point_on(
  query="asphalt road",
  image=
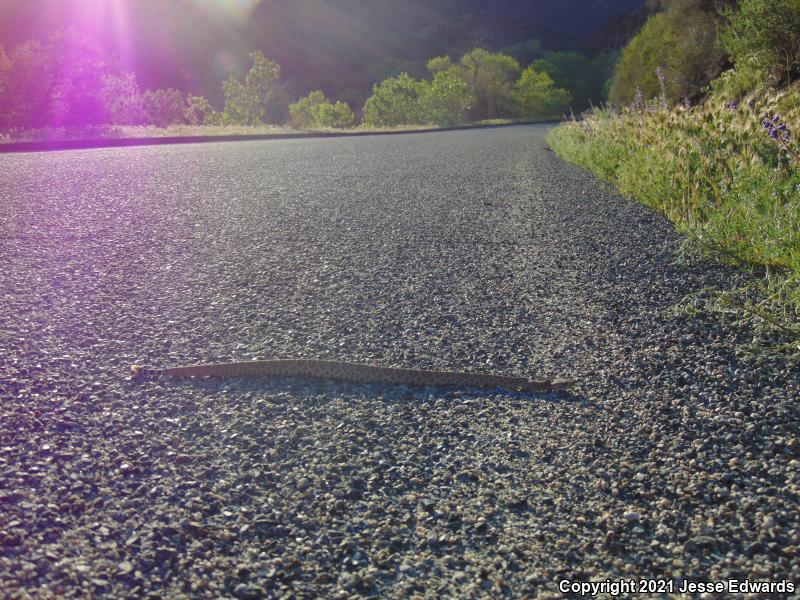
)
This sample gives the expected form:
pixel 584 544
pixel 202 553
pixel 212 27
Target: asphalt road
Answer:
pixel 675 457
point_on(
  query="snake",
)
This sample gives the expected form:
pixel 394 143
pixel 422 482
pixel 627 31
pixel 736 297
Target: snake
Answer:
pixel 336 370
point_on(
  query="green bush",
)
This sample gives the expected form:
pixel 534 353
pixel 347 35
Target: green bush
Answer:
pixel 316 111
pixel 163 107
pixel 762 37
pixel 681 42
pixel 246 102
pixel 303 113
pixel 446 99
pixel 490 76
pixel 585 78
pixel 536 96
pixel 715 172
pixel 394 101
pixel 335 116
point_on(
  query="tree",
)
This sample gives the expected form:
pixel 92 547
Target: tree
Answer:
pixel 490 77
pixel 764 35
pixel 122 102
pixel 446 99
pixel 26 101
pixel 304 112
pixel 79 70
pixel 680 42
pixel 337 116
pixel 198 110
pixel 5 71
pixel 439 64
pixel 537 97
pixel 164 107
pixel 246 103
pixel 394 101
pixel 585 78
pixel 316 111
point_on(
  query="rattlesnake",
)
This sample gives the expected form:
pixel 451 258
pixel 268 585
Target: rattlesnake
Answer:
pixel 353 372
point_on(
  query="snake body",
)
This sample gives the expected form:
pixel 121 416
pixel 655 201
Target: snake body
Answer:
pixel 354 372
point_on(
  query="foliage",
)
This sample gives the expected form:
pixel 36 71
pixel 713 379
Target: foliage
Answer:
pixel 60 82
pixel 490 77
pixel 122 101
pixel 317 111
pixel 246 102
pixel 446 99
pixel 584 77
pixel 304 112
pixel 394 101
pixel 439 64
pixel 163 107
pixel 730 182
pixel 761 37
pixel 198 110
pixel 336 116
pixel 70 82
pixel 680 41
pixel 536 96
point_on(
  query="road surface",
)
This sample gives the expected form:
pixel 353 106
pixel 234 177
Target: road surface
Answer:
pixel 470 250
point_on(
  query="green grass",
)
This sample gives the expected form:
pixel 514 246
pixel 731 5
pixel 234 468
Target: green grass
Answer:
pixel 729 188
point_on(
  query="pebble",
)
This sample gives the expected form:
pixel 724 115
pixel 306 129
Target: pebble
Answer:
pixel 676 455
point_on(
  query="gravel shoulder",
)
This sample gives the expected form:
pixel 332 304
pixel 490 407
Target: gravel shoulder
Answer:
pixel 674 458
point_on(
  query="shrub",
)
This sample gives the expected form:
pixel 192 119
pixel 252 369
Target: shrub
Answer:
pixel 763 36
pixel 490 76
pixel 336 116
pixel 394 101
pixel 726 174
pixel 303 113
pixel 680 41
pixel 316 111
pixel 446 99
pixel 536 96
pixel 246 102
pixel 163 107
pixel 585 78
pixel 122 101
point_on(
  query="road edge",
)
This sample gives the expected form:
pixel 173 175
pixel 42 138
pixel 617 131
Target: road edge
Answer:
pixel 57 145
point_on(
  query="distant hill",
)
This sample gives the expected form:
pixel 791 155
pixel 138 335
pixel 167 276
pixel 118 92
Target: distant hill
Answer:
pixel 339 46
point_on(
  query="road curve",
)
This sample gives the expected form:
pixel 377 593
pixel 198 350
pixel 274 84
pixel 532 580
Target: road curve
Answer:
pixel 673 459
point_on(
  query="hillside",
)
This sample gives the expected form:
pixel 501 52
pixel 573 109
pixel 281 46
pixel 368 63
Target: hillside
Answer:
pixel 341 46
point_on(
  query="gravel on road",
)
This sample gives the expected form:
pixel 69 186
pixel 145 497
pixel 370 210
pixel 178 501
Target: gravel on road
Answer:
pixel 675 458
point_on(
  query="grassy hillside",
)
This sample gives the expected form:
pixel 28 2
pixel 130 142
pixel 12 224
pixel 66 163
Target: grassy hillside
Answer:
pixel 726 171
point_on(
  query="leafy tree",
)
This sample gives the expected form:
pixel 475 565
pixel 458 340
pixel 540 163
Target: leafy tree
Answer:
pixel 198 110
pixel 439 64
pixel 490 77
pixel 585 78
pixel 394 101
pixel 337 116
pixel 80 68
pixel 246 103
pixel 446 99
pixel 537 97
pixel 27 98
pixel 5 70
pixel 304 112
pixel 764 36
pixel 163 107
pixel 122 101
pixel 681 42
pixel 316 111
